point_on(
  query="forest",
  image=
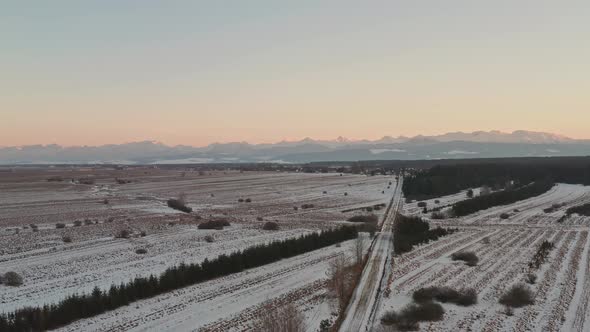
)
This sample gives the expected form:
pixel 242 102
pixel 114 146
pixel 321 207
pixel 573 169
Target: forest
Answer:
pixel 411 231
pixel 441 180
pixel 583 210
pixel 504 197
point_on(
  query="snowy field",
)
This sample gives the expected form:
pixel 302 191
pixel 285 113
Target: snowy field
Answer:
pixel 53 269
pixel 505 247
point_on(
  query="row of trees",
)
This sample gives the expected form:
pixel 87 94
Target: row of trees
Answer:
pixel 583 210
pixel 410 231
pixel 87 305
pixel 451 179
pixel 510 196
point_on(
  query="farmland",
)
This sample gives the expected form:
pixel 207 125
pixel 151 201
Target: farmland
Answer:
pixel 120 227
pixel 504 246
pixel 94 214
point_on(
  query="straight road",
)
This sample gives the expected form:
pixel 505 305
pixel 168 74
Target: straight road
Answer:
pixel 360 312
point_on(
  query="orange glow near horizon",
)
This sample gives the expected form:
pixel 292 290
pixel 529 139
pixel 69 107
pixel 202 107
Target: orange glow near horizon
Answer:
pixel 261 72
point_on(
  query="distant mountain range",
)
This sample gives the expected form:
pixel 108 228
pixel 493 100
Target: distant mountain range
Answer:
pixel 479 144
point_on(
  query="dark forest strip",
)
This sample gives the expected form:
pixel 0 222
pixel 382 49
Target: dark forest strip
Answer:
pixel 505 197
pixel 77 307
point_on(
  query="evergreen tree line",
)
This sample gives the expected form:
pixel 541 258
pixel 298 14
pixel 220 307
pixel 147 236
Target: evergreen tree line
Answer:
pixel 411 231
pixel 583 210
pixel 510 196
pixel 451 179
pixel 82 306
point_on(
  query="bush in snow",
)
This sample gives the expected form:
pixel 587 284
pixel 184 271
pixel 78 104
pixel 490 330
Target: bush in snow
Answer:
pixel 179 204
pixel 214 224
pixel 370 218
pixel 270 226
pixel 409 317
pixel 469 257
pixel 12 279
pixel 464 297
pixel 517 296
pixel 123 234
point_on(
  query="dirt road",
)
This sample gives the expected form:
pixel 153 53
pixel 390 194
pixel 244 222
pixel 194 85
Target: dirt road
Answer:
pixel 360 312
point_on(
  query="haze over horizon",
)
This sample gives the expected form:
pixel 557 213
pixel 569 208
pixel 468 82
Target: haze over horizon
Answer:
pixel 484 136
pixel 261 71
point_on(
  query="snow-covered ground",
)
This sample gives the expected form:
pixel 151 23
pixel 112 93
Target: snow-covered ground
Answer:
pixel 505 247
pixel 53 269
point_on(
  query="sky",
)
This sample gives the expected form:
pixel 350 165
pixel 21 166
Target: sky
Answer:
pixel 196 72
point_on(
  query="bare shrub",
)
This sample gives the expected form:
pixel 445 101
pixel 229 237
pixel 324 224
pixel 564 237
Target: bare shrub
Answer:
pixel 259 218
pixel 214 224
pixel 517 296
pixel 209 239
pixel 248 200
pixel 504 216
pixel 67 239
pixel 77 223
pixel 295 208
pixel 337 279
pixel 369 218
pixel 284 319
pixel 141 251
pixel 307 206
pixel 270 226
pixel 486 240
pixel 359 248
pixel 143 234
pixel 123 234
pixel 88 222
pixel 463 297
pixel 179 204
pixel 469 257
pixel 86 180
pixel 12 279
pixel 240 200
pixel 105 201
pixel 410 316
pixel 60 225
pixel 422 204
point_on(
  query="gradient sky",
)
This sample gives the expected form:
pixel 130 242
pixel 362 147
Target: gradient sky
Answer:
pixel 195 72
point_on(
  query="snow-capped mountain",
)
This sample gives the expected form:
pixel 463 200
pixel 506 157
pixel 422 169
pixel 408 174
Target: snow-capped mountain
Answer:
pixel 479 144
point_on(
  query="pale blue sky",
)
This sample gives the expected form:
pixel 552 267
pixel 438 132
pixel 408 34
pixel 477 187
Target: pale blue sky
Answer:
pixel 193 72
